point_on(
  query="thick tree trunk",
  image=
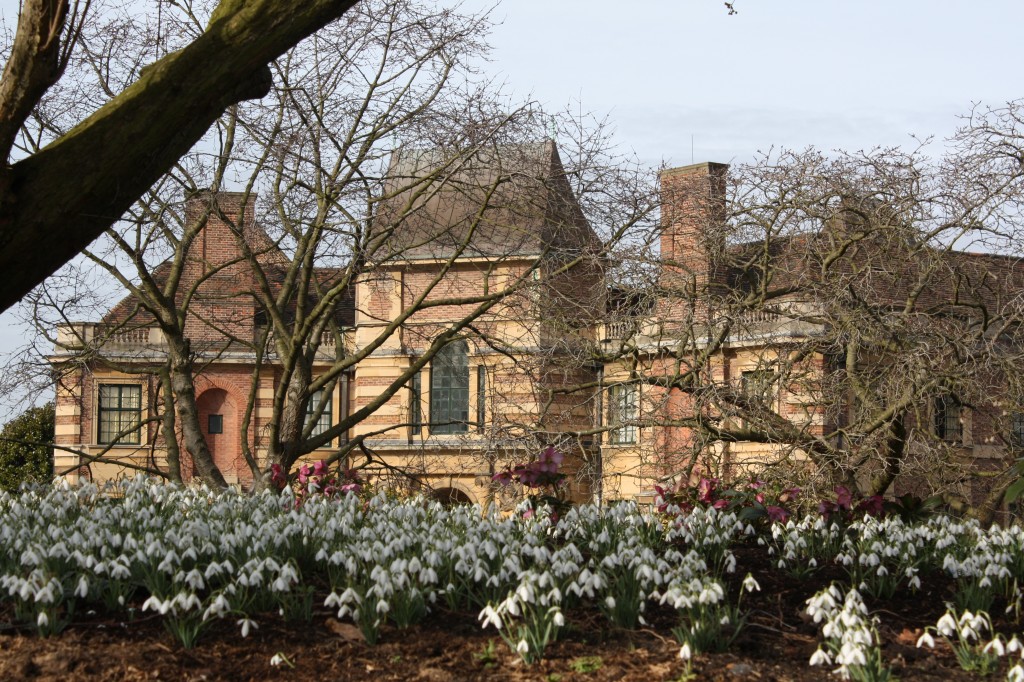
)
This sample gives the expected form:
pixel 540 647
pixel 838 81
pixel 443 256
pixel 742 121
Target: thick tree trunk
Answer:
pixel 286 447
pixel 54 203
pixel 169 430
pixel 183 388
pixel 33 66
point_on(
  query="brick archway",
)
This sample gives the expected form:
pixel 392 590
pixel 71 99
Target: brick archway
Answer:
pixel 218 419
pixel 452 496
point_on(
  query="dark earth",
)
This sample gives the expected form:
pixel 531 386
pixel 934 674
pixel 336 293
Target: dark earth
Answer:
pixel 776 644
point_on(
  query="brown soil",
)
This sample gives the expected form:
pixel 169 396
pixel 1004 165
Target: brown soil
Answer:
pixel 775 645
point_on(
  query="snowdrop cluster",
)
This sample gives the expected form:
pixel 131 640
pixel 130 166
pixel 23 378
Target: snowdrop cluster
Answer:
pixel 977 646
pixel 195 557
pixel 851 640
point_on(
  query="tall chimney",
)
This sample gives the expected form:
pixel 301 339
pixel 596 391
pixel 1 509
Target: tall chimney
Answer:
pixel 224 301
pixel 692 239
pixel 226 215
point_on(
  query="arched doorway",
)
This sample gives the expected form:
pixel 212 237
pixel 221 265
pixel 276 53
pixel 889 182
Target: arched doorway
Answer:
pixel 450 497
pixel 219 424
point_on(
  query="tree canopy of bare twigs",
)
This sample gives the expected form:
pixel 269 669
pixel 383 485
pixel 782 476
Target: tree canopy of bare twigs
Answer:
pixel 378 147
pixel 61 188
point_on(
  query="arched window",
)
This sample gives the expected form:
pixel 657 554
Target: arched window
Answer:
pixel 449 389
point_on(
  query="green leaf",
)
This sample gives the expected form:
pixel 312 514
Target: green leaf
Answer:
pixel 1014 491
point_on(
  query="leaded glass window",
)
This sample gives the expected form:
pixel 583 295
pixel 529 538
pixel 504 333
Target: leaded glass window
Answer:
pixel 120 412
pixel 623 408
pixel 948 424
pixel 449 389
pixel 323 421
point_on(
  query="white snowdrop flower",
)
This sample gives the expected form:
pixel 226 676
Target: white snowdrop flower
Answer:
pixel 194 579
pixel 490 617
pixel 82 590
pixel 1015 674
pixel 750 584
pixel 995 647
pixel 277 659
pixel 926 640
pixel 685 653
pixel 609 601
pixel 1013 645
pixel 246 624
pixel 42 620
pixel 558 619
pixel 819 657
pixel 156 604
pixel 946 625
pixel 523 648
pixel 383 607
pixel 850 654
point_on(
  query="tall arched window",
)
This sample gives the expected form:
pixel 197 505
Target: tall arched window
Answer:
pixel 449 389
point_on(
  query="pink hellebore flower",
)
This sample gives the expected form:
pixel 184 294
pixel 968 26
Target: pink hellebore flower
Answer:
pixel 550 454
pixel 844 498
pixel 789 494
pixel 705 489
pixel 777 513
pixel 277 476
pixel 873 506
pixel 502 477
pixel 320 468
pixel 304 472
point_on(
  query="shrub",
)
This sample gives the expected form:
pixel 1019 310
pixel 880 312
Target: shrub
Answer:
pixel 26 448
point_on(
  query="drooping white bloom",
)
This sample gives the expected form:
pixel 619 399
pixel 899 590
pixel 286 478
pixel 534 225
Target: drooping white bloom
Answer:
pixel 490 617
pixel 926 640
pixel 750 585
pixel 819 657
pixel 247 624
pixel 995 647
pixel 946 625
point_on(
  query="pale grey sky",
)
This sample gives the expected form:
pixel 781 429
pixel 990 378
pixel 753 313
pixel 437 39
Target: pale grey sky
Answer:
pixel 834 74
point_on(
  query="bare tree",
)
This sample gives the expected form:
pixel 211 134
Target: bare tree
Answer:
pixel 849 319
pixel 66 194
pixel 379 149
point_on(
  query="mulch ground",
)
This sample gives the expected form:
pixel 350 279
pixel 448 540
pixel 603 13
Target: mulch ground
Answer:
pixel 775 645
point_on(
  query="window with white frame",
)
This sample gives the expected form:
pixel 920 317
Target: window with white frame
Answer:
pixel 623 410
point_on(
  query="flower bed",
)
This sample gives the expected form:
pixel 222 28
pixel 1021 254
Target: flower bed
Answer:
pixel 199 559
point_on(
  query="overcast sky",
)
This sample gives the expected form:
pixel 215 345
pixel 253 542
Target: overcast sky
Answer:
pixel 850 74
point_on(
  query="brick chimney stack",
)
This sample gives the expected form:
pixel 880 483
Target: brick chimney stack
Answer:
pixel 227 215
pixel 224 300
pixel 692 240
